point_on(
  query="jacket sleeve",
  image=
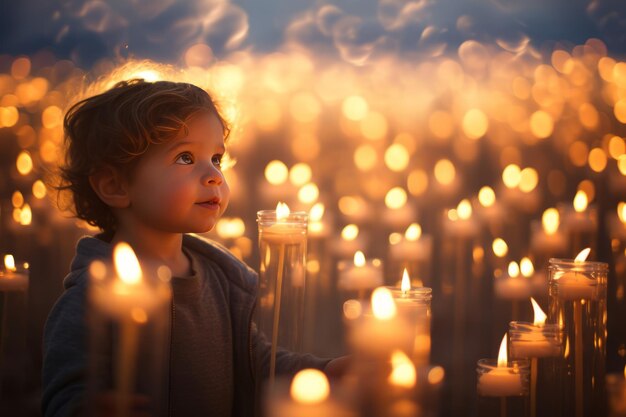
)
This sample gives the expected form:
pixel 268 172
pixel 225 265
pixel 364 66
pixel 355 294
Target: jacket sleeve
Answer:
pixel 287 363
pixel 65 355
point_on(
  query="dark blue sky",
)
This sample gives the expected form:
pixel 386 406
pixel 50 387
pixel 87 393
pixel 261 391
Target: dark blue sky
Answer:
pixel 87 30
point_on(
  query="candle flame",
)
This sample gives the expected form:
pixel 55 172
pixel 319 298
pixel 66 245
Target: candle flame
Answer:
pixel 499 247
pixel 26 215
pixel 282 211
pixel 486 196
pixel 126 264
pixel 503 359
pixel 540 316
pixel 621 211
pixel 403 372
pixel 310 386
pixel 413 232
pixel 513 269
pixel 464 209
pixel 526 267
pixel 550 220
pixel 350 232
pixel 317 212
pixel 406 281
pixel 359 259
pixel 566 352
pixel 582 256
pixel 580 201
pixel 383 306
pixel 9 263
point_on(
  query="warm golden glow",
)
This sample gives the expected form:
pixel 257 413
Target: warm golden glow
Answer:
pixel 541 124
pixel 24 163
pixel 17 199
pixel 406 281
pixel 403 372
pixel 395 238
pixel 486 196
pixel 511 176
pixel 566 352
pixel 540 316
pixel 597 159
pixel 350 232
pixel 396 198
pixel 383 306
pixel 513 269
pixel 582 256
pixel 397 157
pixel 26 215
pixel 475 124
pixel 436 375
pixel 352 309
pixel 276 172
pixel 464 209
pixel 308 193
pixel 282 211
pixel 300 174
pixel 310 386
pixel 500 248
pixel 503 359
pixel 580 201
pixel 374 126
pixel 9 263
pixel 365 157
pixel 621 211
pixel 317 212
pixel 354 108
pixel 529 178
pixel 413 232
pixel 126 264
pixel 227 228
pixel 444 172
pixel 526 267
pixel 39 189
pixel 359 259
pixel 550 220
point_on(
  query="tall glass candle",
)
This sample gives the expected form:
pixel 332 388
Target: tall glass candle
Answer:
pixel 129 316
pixel 578 298
pixel 283 248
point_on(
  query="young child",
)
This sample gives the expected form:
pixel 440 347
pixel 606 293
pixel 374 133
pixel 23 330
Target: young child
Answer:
pixel 143 164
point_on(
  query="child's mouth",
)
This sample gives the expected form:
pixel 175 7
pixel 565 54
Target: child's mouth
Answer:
pixel 213 204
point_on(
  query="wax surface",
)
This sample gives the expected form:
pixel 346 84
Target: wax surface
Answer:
pixel 500 382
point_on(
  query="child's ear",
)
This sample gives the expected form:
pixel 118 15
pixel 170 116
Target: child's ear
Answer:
pixel 111 187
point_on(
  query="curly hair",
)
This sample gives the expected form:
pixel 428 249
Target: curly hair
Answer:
pixel 114 128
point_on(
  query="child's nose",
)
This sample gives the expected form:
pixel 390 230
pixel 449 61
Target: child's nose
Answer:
pixel 213 176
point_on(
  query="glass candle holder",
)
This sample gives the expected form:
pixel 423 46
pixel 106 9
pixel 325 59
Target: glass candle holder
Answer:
pixel 129 318
pixel 543 347
pixel 280 308
pixel 414 306
pixel 503 390
pixel 14 283
pixel 578 300
pixel 358 281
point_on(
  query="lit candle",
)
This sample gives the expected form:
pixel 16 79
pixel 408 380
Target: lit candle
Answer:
pixel 351 240
pixel 318 229
pixel 413 247
pixel 13 278
pixel 309 396
pixel 460 222
pixel 548 239
pixel 362 276
pixel 414 306
pixel 503 380
pixel 512 286
pixel 381 331
pixel 575 284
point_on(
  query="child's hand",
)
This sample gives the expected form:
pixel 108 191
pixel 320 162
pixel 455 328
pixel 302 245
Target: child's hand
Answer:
pixel 337 367
pixel 106 405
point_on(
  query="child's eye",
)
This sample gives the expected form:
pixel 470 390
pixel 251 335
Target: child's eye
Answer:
pixel 217 160
pixel 184 159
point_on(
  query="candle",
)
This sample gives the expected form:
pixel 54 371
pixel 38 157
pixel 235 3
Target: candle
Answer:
pixel 12 277
pixel 318 229
pixel 575 284
pixel 414 306
pixel 512 286
pixel 309 396
pixel 413 247
pixel 460 222
pixel 351 240
pixel 503 380
pixel 616 389
pixel 362 276
pixel 548 239
pixel 130 302
pixel 381 331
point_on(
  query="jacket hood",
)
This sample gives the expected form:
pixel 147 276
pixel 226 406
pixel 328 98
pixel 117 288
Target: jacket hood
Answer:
pixel 90 248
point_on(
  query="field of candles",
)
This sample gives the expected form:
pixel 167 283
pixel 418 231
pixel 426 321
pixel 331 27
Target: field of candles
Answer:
pixel 431 195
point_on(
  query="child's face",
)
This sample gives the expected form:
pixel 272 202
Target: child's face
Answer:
pixel 178 186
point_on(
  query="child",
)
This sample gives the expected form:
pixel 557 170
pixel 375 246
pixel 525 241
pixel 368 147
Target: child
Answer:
pixel 144 165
